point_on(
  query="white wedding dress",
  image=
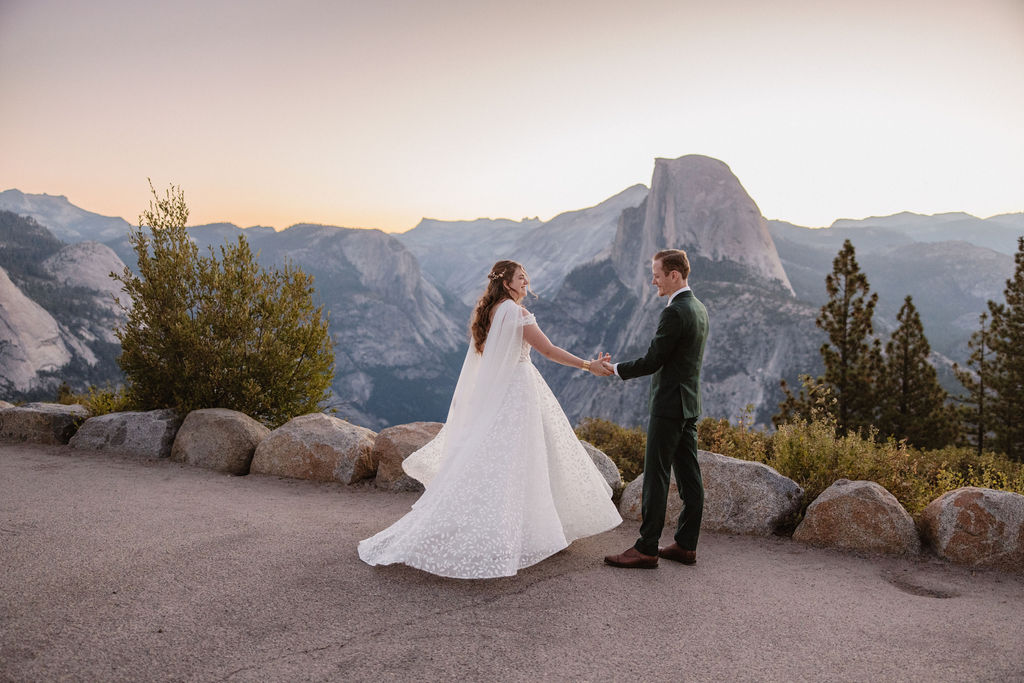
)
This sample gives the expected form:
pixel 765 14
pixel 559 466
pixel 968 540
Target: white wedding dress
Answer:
pixel 507 481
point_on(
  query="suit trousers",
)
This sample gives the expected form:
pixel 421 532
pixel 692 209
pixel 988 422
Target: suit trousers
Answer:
pixel 671 444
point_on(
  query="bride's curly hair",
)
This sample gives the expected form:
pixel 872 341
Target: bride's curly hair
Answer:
pixel 498 280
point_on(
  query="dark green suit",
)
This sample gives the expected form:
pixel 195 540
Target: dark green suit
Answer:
pixel 674 359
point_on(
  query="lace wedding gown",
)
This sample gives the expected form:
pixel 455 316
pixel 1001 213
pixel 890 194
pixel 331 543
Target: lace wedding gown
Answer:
pixel 507 481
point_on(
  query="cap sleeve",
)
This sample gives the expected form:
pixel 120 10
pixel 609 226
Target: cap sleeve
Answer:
pixel 527 318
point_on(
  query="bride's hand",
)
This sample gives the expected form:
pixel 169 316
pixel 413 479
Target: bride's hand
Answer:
pixel 600 366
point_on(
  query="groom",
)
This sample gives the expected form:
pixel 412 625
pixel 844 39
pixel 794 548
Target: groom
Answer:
pixel 674 359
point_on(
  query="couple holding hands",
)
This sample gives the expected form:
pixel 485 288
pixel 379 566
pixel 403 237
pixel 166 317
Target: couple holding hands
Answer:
pixel 507 483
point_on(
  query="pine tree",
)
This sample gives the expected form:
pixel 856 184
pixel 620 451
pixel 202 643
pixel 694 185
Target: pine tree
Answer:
pixel 203 332
pixel 976 379
pixel 1007 339
pixel 912 404
pixel 814 402
pixel 851 359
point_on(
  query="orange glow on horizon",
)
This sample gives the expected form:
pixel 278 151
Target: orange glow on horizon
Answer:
pixel 364 115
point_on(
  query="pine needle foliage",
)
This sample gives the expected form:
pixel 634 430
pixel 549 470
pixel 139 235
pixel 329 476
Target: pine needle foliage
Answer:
pixel 852 359
pixel 1007 379
pixel 976 378
pixel 912 404
pixel 209 332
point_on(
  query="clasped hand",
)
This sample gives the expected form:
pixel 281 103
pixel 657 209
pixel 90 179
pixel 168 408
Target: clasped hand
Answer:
pixel 602 366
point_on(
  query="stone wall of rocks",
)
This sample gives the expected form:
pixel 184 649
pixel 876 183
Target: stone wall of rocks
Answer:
pixel 147 434
pixel 972 526
pixel 859 515
pixel 41 422
pixel 740 497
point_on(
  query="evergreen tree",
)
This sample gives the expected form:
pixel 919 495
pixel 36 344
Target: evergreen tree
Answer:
pixel 852 360
pixel 1007 340
pixel 912 404
pixel 813 402
pixel 976 379
pixel 207 333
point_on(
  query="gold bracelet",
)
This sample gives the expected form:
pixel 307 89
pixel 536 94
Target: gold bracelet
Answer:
pixel 586 366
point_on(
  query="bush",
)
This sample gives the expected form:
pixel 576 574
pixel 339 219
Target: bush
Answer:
pixel 97 401
pixel 203 332
pixel 740 441
pixel 624 446
pixel 814 455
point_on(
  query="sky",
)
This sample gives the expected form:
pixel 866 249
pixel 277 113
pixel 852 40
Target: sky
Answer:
pixel 378 113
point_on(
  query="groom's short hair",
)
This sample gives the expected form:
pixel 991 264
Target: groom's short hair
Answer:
pixel 674 259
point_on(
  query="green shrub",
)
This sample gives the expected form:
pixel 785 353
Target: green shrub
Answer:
pixel 736 441
pixel 209 332
pixel 624 446
pixel 65 395
pixel 107 400
pixel 97 401
pixel 814 455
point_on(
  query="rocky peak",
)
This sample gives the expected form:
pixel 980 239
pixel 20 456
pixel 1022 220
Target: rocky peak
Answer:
pixel 697 204
pixel 65 220
pixel 30 339
pixel 553 249
pixel 88 265
pixel 378 261
pixel 384 265
pixel 458 254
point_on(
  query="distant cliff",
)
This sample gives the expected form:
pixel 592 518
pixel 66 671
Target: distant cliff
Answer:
pixel 697 204
pixel 458 255
pixel 57 312
pixel 759 333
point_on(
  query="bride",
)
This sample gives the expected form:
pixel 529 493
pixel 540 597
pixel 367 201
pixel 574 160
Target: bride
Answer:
pixel 507 481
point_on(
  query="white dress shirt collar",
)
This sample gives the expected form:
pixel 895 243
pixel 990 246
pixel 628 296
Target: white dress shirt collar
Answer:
pixel 677 293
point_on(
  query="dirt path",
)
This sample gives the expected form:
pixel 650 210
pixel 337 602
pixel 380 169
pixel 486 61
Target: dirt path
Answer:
pixel 119 569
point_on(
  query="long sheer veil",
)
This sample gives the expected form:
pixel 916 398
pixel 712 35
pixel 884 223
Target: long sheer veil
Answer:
pixel 475 406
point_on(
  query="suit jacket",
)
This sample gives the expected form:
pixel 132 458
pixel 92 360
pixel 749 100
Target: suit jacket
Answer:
pixel 674 359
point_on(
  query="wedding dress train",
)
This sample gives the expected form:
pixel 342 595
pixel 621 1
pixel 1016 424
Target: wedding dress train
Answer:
pixel 507 481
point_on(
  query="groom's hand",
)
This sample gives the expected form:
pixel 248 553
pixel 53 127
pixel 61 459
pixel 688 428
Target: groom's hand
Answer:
pixel 606 365
pixel 600 366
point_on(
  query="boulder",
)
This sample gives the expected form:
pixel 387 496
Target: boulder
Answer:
pixel 42 422
pixel 319 447
pixel 218 439
pixel 4 405
pixel 606 466
pixel 740 497
pixel 859 515
pixel 392 446
pixel 146 434
pixel 978 527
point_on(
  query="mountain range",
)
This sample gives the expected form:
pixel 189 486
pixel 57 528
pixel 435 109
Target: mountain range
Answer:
pixel 399 304
pixel 57 313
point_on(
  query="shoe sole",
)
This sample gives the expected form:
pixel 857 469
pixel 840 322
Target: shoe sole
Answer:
pixel 631 566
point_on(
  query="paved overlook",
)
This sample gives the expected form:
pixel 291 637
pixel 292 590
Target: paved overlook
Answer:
pixel 125 569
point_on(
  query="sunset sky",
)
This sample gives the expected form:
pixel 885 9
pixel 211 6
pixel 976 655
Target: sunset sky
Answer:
pixel 377 113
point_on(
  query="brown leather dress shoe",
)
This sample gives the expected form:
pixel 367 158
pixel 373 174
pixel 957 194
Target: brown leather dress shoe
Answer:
pixel 676 554
pixel 632 559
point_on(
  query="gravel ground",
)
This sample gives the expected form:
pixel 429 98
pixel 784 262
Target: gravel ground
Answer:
pixel 114 568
